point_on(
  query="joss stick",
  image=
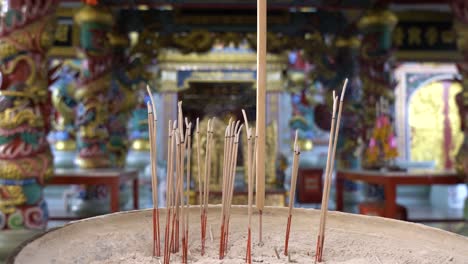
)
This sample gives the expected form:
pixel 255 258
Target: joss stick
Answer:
pixel 248 257
pixel 187 199
pixel 152 125
pixel 226 163
pixel 200 193
pixel 180 187
pixel 181 192
pixel 180 152
pixel 292 191
pixel 233 176
pixel 206 182
pixel 170 149
pixel 321 239
pixel 325 187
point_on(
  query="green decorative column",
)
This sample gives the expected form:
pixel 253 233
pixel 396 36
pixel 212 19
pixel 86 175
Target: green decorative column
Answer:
pixel 63 135
pixel 92 91
pixel 26 34
pixel 93 105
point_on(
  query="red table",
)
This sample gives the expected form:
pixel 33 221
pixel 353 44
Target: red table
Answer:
pixel 110 177
pixel 390 180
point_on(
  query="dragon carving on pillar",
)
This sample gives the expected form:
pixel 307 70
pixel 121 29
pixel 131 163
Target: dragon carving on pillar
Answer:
pixel 26 34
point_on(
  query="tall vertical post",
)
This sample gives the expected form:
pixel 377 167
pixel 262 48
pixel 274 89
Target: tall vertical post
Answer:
pixel 261 107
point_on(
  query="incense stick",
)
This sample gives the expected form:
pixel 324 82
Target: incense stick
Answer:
pixel 334 131
pixel 189 153
pixel 292 191
pixel 206 182
pixel 169 177
pixel 325 187
pixel 232 179
pixel 226 163
pixel 200 193
pixel 261 108
pixel 250 161
pixel 152 126
pixel 228 184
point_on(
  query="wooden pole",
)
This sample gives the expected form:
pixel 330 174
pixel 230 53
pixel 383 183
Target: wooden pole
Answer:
pixel 261 108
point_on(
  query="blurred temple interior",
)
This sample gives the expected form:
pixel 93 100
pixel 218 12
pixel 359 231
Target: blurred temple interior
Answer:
pixel 74 135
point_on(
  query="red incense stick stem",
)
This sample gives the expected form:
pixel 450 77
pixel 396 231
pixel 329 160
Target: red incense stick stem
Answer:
pixel 172 247
pixel 226 238
pixel 154 232
pixel 177 236
pixel 183 250
pixel 203 232
pixel 221 240
pixel 319 250
pixel 286 242
pixel 166 236
pixel 248 257
pixel 156 236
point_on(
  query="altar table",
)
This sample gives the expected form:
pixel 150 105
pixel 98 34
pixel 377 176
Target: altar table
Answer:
pixel 389 180
pixel 110 177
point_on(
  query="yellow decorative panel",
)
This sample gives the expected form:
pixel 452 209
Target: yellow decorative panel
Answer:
pixel 426 122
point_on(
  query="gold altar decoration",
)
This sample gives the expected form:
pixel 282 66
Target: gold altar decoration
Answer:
pixel 216 153
pixel 426 123
pixel 217 67
pixel 271 150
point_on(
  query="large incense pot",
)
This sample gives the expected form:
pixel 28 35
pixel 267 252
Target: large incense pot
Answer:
pixel 127 238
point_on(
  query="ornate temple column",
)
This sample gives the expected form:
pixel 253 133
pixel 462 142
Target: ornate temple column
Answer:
pixel 93 86
pixel 376 65
pixel 122 101
pixel 460 8
pixel 63 135
pixel 378 84
pixel 347 49
pixel 26 34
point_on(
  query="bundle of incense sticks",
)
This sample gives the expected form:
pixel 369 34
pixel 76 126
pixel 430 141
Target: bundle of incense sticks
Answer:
pixel 152 121
pixel 250 171
pixel 231 143
pixel 204 190
pixel 177 198
pixel 334 131
pixel 292 191
pixel 169 190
